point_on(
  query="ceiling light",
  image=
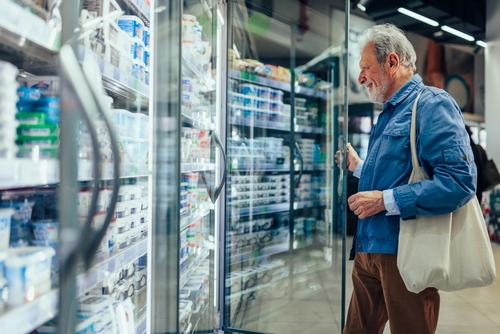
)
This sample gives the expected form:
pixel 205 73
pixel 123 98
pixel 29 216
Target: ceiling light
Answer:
pixel 417 16
pixel 458 33
pixel 360 6
pixel 481 43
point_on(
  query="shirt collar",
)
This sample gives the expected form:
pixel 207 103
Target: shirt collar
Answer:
pixel 405 90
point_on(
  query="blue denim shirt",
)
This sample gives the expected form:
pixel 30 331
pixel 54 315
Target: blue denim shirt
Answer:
pixel 444 151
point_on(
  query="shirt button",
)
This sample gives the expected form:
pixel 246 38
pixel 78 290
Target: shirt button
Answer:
pixel 464 157
pixel 360 246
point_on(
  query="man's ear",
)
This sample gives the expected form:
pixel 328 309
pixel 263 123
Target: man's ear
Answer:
pixel 393 61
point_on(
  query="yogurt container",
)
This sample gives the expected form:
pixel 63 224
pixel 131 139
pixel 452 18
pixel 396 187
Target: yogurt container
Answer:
pixel 45 229
pixel 21 218
pixel 27 270
pixel 132 25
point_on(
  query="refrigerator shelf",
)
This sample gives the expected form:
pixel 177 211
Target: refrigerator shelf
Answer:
pixel 27 317
pixel 19 173
pixel 258 210
pixel 117 82
pixel 141 9
pixel 98 273
pixel 195 123
pixel 255 255
pixel 309 129
pixel 200 213
pixel 127 170
pixel 188 167
pixel 259 123
pixel 184 277
pixel 285 86
pixel 308 204
pixel 259 167
pixel 32 40
pixel 315 167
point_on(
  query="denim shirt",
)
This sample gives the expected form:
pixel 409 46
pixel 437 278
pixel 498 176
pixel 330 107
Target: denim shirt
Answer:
pixel 444 151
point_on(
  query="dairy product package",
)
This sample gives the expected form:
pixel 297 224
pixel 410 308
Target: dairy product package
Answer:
pixel 28 270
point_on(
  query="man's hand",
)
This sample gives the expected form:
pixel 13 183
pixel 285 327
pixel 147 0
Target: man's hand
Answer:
pixel 352 158
pixel 366 203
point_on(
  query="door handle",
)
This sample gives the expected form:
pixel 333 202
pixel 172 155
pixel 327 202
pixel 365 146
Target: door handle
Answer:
pixel 214 191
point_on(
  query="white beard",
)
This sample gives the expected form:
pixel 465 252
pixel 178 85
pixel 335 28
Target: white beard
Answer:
pixel 377 94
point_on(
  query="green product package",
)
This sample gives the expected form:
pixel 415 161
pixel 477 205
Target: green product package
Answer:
pixel 38 130
pixel 31 118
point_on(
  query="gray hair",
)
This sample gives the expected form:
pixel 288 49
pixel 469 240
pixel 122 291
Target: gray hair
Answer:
pixel 388 38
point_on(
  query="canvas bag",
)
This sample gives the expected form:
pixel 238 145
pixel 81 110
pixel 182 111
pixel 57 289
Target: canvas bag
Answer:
pixel 449 252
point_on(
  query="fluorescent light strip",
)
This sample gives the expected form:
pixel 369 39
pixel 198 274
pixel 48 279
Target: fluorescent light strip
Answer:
pixel 481 43
pixel 417 16
pixel 458 33
pixel 360 6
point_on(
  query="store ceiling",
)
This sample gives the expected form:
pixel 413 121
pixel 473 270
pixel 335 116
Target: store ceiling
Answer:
pixel 468 16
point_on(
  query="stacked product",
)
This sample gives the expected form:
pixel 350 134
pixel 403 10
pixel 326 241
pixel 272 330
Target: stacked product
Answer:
pixel 194 103
pixel 18 261
pixel 38 117
pixel 195 146
pixel 196 51
pixel 259 102
pixel 254 191
pixel 192 195
pixel 138 42
pixel 8 99
pixel 132 130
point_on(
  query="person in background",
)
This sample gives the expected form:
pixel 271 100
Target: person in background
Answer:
pixel 480 158
pixel 384 196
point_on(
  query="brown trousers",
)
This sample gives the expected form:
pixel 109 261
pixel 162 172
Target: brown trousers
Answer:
pixel 380 294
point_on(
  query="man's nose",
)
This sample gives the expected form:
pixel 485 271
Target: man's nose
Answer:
pixel 361 79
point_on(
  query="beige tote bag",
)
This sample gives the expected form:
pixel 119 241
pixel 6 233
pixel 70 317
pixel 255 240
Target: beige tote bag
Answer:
pixel 449 252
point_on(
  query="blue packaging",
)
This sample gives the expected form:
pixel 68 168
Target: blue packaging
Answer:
pixel 132 25
pixel 27 94
pixel 50 105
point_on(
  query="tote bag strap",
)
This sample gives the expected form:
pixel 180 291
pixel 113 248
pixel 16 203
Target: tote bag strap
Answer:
pixel 413 134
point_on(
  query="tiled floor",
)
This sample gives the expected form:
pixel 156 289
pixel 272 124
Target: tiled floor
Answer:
pixel 474 311
pixel 312 303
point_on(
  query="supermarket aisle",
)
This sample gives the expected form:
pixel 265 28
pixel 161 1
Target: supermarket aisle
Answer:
pixel 473 311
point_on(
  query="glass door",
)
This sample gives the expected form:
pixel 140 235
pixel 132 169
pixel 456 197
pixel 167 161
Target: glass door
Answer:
pixel 202 172
pixel 285 195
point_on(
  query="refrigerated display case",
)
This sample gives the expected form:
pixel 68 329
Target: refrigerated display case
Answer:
pixel 148 229
pixel 85 201
pixel 283 246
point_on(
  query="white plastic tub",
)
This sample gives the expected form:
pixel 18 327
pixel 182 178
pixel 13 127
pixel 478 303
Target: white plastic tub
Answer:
pixel 45 229
pixel 27 270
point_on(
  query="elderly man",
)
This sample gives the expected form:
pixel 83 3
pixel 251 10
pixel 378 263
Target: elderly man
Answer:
pixel 384 196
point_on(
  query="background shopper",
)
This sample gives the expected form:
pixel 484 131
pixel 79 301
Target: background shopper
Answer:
pixel 384 196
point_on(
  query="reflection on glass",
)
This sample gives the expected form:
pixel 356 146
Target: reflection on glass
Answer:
pixel 283 217
pixel 198 166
